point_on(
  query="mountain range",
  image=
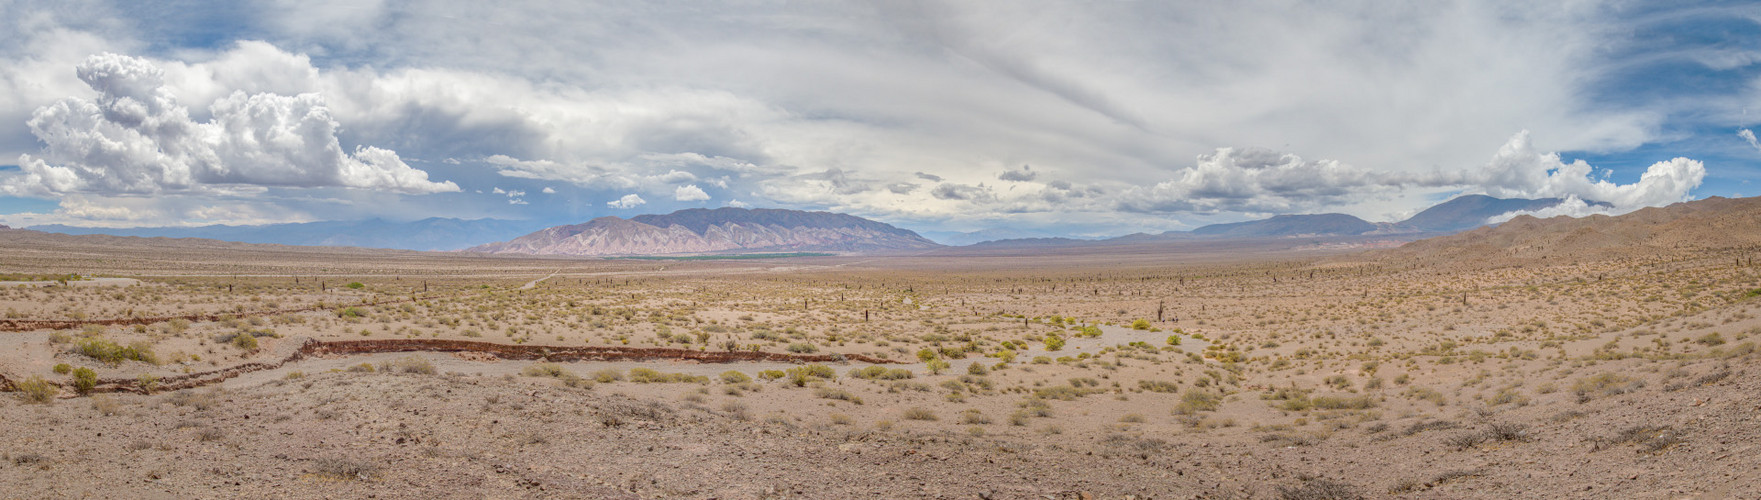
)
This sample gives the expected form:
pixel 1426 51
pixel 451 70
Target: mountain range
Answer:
pixel 426 234
pixel 721 230
pixel 730 230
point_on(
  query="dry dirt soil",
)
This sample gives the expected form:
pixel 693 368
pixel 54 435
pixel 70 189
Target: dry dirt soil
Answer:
pixel 1537 362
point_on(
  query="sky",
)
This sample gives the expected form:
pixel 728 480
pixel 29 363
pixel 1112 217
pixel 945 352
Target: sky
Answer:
pixel 1060 118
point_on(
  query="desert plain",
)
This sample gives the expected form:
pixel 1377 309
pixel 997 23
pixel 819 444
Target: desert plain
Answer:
pixel 1559 358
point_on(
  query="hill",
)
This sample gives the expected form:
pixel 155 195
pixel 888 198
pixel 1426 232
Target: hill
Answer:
pixel 722 230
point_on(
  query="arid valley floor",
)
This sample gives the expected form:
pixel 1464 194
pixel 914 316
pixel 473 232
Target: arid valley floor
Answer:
pixel 1560 358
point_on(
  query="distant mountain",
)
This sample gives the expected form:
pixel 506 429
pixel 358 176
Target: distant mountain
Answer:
pixel 1290 225
pixel 426 234
pixel 721 230
pixel 953 238
pixel 1470 211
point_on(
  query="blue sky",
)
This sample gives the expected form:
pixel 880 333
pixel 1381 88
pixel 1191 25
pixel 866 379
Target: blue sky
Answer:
pixel 1067 118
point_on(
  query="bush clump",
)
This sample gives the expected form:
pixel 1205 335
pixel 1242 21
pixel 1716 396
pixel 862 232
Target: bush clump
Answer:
pixel 881 373
pixel 113 354
pixel 651 376
pixel 84 380
pixel 36 390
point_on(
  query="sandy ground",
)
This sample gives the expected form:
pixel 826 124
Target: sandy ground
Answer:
pixel 1297 376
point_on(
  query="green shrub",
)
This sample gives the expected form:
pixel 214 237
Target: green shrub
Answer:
pixel 551 370
pixel 1142 324
pixel 919 413
pixel 830 393
pixel 608 375
pixel 651 376
pixel 112 354
pixel 803 348
pixel 1194 401
pixel 356 285
pixel 245 341
pixel 351 312
pixel 62 369
pixel 84 380
pixel 1158 386
pixel 1054 342
pixel 768 375
pixel 881 373
pixel 735 377
pixel 1173 340
pixel 36 390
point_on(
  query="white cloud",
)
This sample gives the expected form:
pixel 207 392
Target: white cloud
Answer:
pixel 1262 181
pixel 1749 136
pixel 516 201
pixel 1518 170
pixel 548 190
pixel 135 139
pixel 690 192
pixel 675 176
pixel 738 204
pixel 628 201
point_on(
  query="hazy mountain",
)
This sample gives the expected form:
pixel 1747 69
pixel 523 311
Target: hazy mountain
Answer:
pixel 953 238
pixel 1290 225
pixel 1470 211
pixel 722 230
pixel 426 234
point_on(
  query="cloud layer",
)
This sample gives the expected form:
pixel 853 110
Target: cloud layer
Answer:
pixel 135 139
pixel 928 113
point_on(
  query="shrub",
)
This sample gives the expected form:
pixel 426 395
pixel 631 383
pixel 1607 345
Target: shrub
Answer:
pixel 919 413
pixel 734 377
pixel 1342 402
pixel 356 285
pixel 552 370
pixel 1054 342
pixel 84 380
pixel 344 469
pixel 877 372
pixel 62 369
pixel 1158 386
pixel 830 393
pixel 147 382
pixel 769 375
pixel 650 376
pixel 1194 401
pixel 974 417
pixel 803 348
pixel 1173 340
pixel 1710 339
pixel 608 375
pixel 351 312
pixel 410 364
pixel 36 390
pixel 245 341
pixel 936 366
pixel 1605 384
pixel 1141 324
pixel 112 354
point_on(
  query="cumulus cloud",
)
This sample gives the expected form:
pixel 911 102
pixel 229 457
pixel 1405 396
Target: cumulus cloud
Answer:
pixel 1518 170
pixel 135 139
pixel 628 201
pixel 1024 175
pixel 690 192
pixel 738 204
pixel 929 177
pixel 1749 136
pixel 1258 180
pixel 548 190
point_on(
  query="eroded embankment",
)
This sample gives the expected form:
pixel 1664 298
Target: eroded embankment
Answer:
pixel 321 348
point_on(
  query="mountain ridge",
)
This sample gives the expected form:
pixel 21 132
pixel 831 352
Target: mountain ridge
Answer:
pixel 721 230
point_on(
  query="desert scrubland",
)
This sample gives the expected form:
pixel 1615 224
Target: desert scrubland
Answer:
pixel 1592 358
